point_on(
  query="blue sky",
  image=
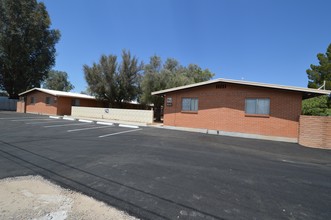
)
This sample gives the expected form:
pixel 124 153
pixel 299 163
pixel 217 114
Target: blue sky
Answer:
pixel 270 41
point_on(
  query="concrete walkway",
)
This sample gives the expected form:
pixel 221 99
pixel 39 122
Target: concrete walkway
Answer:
pixel 198 130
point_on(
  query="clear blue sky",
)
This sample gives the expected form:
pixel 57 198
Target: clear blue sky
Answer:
pixel 271 41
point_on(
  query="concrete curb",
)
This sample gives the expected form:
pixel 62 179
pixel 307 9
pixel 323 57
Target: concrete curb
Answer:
pixel 232 134
pixel 197 130
pixel 101 122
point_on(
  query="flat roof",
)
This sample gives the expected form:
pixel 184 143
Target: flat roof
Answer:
pixel 307 92
pixel 59 93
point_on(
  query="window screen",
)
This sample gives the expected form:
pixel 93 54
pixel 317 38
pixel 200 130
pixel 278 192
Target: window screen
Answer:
pixel 75 102
pixel 257 106
pixel 32 100
pixel 190 104
pixel 48 100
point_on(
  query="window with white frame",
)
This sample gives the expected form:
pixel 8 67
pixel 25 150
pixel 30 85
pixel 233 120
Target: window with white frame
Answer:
pixel 257 106
pixel 190 104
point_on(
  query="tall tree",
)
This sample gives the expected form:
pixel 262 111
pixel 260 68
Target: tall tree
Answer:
pixel 317 74
pixel 27 45
pixel 196 73
pixel 114 83
pixel 129 77
pixel 102 79
pixel 170 74
pixel 58 80
pixel 152 81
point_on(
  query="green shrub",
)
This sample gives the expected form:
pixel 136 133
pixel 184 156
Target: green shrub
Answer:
pixel 318 106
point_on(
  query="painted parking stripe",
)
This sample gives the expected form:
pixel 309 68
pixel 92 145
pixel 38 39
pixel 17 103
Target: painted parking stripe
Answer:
pixel 83 120
pixel 36 119
pixel 104 123
pixel 82 129
pixel 121 132
pixel 63 125
pixel 128 126
pixel 70 119
pixel 55 117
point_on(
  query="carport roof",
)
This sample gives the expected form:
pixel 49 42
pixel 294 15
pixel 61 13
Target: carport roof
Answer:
pixel 59 93
pixel 307 92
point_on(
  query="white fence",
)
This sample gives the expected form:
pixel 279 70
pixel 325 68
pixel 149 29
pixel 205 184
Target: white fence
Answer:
pixel 143 116
pixel 8 104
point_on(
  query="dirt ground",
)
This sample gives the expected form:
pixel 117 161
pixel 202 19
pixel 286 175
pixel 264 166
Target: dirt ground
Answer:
pixel 33 197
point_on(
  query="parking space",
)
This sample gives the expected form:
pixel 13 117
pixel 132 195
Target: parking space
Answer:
pixel 61 125
pixel 155 173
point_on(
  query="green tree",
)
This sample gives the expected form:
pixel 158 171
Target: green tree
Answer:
pixel 129 77
pixel 170 74
pixel 58 80
pixel 114 83
pixel 317 74
pixel 27 45
pixel 316 106
pixel 174 74
pixel 152 81
pixel 197 74
pixel 102 79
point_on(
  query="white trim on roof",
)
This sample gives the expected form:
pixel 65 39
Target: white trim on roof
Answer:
pixel 241 82
pixel 59 93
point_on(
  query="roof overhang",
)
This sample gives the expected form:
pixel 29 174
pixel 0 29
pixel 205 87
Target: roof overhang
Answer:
pixel 306 92
pixel 58 93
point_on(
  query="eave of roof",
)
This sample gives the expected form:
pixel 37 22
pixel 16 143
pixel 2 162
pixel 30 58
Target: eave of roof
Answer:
pixel 59 93
pixel 307 92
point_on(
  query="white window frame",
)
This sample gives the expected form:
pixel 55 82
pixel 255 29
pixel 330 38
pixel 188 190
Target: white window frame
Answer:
pixel 191 106
pixel 257 106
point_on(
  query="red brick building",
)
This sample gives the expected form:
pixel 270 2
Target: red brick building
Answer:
pixel 237 107
pixel 52 102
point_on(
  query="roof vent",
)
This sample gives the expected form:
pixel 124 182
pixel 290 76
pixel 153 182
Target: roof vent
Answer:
pixel 221 86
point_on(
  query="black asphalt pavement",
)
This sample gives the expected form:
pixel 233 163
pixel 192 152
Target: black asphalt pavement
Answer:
pixel 154 173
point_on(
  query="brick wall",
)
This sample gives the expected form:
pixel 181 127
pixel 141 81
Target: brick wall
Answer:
pixel 315 131
pixel 64 107
pixel 65 103
pixel 224 109
pixel 58 105
pixel 40 106
pixel 20 105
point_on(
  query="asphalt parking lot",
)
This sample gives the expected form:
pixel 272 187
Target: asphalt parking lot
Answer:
pixel 154 173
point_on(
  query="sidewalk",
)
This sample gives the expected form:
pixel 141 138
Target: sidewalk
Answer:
pixel 160 125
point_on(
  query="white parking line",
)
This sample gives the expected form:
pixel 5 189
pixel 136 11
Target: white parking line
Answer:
pixel 70 119
pixel 122 132
pixel 83 120
pixel 55 117
pixel 128 126
pixel 82 129
pixel 36 119
pixel 104 123
pixel 63 125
